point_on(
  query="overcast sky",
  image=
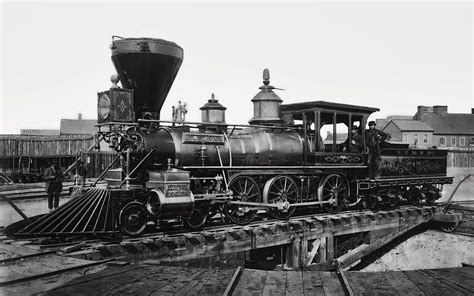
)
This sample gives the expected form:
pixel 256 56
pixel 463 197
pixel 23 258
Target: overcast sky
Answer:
pixel 55 56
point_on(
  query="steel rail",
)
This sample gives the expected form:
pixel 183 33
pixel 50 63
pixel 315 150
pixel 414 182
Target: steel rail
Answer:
pixel 17 258
pixel 54 272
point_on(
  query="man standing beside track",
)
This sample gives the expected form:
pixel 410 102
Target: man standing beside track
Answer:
pixel 81 173
pixel 54 184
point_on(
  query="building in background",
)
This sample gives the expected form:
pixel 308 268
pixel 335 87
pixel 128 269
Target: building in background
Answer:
pixel 24 156
pixel 78 127
pixel 454 131
pixel 39 132
pixel 432 126
pixel 413 132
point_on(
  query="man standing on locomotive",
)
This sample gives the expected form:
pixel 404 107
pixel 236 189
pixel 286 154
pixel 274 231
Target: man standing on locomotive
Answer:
pixel 373 138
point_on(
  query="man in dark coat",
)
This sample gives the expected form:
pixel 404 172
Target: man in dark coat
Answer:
pixel 54 185
pixel 373 138
pixel 81 173
pixel 356 144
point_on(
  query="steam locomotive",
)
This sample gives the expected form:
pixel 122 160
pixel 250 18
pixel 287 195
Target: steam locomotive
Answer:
pixel 194 170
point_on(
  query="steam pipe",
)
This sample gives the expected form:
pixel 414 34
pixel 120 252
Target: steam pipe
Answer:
pixel 127 178
pixel 216 124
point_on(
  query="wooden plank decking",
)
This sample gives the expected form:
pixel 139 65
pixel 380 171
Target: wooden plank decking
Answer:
pixel 153 279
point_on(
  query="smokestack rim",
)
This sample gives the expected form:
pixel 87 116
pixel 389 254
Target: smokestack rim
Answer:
pixel 146 46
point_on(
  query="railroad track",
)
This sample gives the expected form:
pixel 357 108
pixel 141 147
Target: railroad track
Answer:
pixel 177 229
pixel 47 263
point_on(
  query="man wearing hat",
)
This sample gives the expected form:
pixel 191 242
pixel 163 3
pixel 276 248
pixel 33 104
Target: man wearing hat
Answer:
pixel 356 144
pixel 54 184
pixel 373 138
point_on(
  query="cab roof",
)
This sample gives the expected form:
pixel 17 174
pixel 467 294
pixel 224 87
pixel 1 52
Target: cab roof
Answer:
pixel 328 105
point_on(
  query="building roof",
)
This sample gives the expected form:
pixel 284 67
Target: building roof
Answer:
pixel 78 126
pixel 382 122
pixel 454 124
pixel 39 132
pixel 411 125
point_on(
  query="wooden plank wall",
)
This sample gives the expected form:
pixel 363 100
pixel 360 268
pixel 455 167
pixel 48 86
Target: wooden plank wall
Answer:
pixel 47 146
pixel 461 158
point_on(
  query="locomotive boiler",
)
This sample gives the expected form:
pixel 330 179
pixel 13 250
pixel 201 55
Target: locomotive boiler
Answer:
pixel 191 171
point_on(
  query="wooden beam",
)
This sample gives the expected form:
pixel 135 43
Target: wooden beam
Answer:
pixel 330 247
pixel 233 281
pixel 310 256
pixel 322 251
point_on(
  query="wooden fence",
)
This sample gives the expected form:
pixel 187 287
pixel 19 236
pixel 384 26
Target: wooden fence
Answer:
pixel 461 158
pixel 43 146
pixel 97 161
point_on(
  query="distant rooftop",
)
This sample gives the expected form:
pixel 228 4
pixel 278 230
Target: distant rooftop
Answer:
pixel 78 126
pixel 460 124
pixel 39 132
pixel 412 125
pixel 443 122
pixel 382 122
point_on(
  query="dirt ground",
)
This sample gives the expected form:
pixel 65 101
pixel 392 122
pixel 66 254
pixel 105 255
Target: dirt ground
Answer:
pixel 465 190
pixel 430 249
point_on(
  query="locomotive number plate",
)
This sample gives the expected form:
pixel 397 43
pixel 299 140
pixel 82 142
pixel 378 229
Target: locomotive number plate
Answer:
pixel 175 190
pixel 203 138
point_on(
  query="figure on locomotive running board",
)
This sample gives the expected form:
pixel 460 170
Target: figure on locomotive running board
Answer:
pixel 373 138
pixel 356 144
pixel 54 184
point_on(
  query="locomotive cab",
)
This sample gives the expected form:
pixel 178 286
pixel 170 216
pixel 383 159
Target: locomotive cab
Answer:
pixel 326 130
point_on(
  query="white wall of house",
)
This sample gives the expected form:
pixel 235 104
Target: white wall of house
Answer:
pixel 462 142
pixel 418 138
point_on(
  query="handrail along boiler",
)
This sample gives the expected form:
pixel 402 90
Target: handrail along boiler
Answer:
pixel 277 163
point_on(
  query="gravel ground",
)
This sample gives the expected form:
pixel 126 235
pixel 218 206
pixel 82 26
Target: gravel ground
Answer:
pixel 430 249
pixel 465 190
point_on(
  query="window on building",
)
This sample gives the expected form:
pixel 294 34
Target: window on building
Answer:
pixel 442 141
pixel 471 141
pixel 425 139
pixel 404 138
pixel 415 139
pixel 462 141
pixel 453 141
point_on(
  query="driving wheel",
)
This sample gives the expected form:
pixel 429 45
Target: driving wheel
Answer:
pixel 334 188
pixel 244 189
pixel 281 190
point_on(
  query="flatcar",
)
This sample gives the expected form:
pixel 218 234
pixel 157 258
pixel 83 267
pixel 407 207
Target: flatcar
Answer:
pixel 191 171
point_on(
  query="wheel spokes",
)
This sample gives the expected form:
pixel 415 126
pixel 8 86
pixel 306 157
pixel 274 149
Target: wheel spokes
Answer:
pixel 281 189
pixel 245 189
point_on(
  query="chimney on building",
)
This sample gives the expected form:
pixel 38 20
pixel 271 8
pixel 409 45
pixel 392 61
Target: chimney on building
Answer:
pixel 440 110
pixel 421 111
pixel 79 116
